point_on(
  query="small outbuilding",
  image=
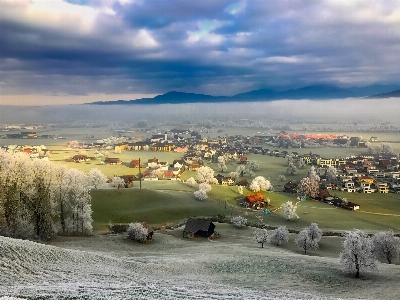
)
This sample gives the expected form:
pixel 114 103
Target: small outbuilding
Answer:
pixel 198 227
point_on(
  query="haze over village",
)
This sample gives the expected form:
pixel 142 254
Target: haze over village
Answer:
pixel 199 149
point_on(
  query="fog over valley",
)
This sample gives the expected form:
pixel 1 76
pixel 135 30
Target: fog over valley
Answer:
pixel 356 110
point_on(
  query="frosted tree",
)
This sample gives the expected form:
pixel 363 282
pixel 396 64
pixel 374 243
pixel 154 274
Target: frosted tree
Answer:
pixel 191 181
pixel 357 253
pixel 201 195
pixel 289 211
pixel 118 182
pixel 252 165
pixel 205 174
pixel 309 238
pixel 282 178
pixel 313 174
pixel 239 221
pixel 291 169
pixel 137 232
pixel 241 170
pixel 39 198
pixel 77 208
pixel 386 148
pixel 240 190
pixel 288 159
pixel 309 187
pixel 234 175
pixel 301 163
pixel 158 173
pixel 331 174
pixel 205 187
pixel 386 246
pixel 279 235
pixel 97 178
pixel 260 184
pixel 222 163
pixel 261 236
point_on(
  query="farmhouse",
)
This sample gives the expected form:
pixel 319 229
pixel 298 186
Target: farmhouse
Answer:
pixel 112 161
pixel 198 227
pixel 255 201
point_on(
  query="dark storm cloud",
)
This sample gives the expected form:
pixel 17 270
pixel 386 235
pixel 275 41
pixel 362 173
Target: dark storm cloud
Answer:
pixel 216 47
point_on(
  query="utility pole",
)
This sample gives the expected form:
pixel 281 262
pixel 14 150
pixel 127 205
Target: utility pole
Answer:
pixel 140 177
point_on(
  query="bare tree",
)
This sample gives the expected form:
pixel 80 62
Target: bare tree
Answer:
pixel 331 174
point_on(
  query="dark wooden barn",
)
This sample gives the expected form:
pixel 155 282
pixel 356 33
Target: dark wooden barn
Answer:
pixel 198 227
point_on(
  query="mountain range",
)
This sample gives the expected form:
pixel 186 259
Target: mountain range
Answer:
pixel 313 92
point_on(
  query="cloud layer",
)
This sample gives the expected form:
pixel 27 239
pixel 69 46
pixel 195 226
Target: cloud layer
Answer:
pixel 84 47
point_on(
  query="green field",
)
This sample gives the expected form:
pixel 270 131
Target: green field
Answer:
pixel 168 202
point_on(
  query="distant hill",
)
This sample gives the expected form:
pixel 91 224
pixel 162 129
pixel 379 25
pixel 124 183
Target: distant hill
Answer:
pixel 312 92
pixel 387 95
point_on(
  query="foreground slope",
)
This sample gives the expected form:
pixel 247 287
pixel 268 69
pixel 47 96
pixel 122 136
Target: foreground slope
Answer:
pixel 232 267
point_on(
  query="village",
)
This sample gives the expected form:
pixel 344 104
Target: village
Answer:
pixel 367 172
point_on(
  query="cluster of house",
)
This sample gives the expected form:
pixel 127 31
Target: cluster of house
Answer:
pixel 29 135
pixel 34 152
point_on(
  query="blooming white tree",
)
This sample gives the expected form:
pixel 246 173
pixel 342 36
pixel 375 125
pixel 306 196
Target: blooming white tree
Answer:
pixel 260 184
pixel 357 253
pixel 118 182
pixel 279 235
pixel 97 178
pixel 239 221
pixel 137 232
pixel 331 174
pixel 309 187
pixel 309 238
pixel 206 174
pixel 191 181
pixel 386 246
pixel 261 236
pixel 222 163
pixel 289 211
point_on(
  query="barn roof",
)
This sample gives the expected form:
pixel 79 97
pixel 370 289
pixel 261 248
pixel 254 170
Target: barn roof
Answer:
pixel 255 197
pixel 194 225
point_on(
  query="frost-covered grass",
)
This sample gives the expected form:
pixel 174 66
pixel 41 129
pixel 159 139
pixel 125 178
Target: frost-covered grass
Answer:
pixel 232 267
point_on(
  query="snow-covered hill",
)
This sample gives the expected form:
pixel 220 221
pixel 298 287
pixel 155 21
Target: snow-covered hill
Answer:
pixel 112 267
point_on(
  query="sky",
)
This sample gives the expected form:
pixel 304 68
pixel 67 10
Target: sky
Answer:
pixel 79 51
